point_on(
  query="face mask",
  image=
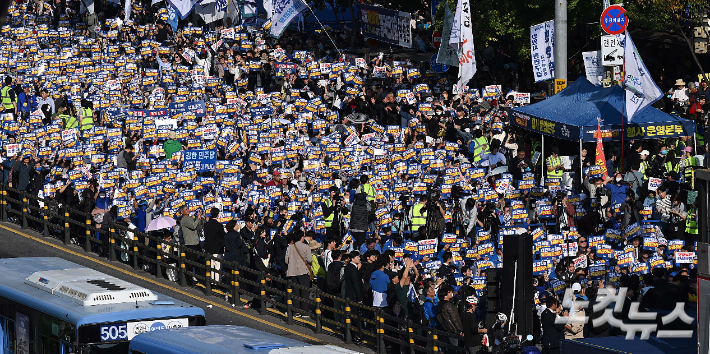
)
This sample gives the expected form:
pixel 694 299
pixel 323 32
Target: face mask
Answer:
pixel 618 179
pixel 663 152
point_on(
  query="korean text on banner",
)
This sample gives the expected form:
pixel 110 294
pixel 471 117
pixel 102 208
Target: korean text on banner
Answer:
pixel 386 25
pixel 593 66
pixel 466 52
pixel 542 43
pixel 640 91
pixel 183 7
pixel 284 12
pixel 204 160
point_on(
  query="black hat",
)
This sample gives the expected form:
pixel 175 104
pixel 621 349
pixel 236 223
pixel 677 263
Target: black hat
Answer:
pixel 555 150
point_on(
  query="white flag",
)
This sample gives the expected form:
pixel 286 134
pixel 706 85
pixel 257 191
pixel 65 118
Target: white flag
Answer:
pixel 593 66
pixel 211 10
pixel 455 34
pixel 284 12
pixel 183 7
pixel 86 5
pixel 127 9
pixel 640 91
pixel 447 54
pixel 466 53
pixel 269 7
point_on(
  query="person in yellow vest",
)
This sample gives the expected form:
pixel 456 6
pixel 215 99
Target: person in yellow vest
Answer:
pixel 366 188
pixel 86 115
pixel 9 98
pixel 554 164
pixel 645 165
pixel 69 121
pixel 333 209
pixel 479 146
pixel 417 216
pixel 687 162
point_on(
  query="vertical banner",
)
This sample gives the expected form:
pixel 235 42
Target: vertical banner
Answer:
pixel 600 159
pixel 542 50
pixel 284 12
pixel 386 25
pixel 447 54
pixel 466 51
pixel 641 91
pixel 404 29
pixel 593 66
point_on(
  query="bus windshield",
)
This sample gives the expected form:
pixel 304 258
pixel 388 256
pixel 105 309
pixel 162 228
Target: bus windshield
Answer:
pixel 107 348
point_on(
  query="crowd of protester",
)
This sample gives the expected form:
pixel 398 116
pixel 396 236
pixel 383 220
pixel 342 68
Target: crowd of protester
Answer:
pixel 371 180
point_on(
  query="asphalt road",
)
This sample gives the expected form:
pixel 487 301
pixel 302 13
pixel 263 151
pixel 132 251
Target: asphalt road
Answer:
pixel 15 242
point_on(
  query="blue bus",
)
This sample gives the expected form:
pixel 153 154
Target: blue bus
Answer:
pixel 224 340
pixel 50 306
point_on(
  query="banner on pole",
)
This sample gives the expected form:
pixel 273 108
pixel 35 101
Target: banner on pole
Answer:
pixel 542 48
pixel 386 25
pixel 593 67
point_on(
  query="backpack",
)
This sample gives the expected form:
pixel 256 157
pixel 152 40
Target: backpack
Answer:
pixel 334 277
pixel 418 315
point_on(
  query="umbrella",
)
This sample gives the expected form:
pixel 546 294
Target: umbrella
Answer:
pixel 163 222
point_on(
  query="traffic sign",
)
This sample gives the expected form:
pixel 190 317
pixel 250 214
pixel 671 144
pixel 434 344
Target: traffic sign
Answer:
pixel 614 20
pixel 560 85
pixel 437 67
pixel 436 39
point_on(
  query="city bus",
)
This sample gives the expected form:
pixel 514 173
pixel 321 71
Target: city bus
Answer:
pixel 50 306
pixel 224 340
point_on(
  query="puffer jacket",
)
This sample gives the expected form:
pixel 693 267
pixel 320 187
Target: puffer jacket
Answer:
pixel 359 212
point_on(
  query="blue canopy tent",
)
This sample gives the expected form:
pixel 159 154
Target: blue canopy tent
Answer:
pixel 573 114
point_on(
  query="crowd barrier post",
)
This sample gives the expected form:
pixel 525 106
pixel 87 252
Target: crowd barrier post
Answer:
pixel 434 339
pixel 208 276
pixel 235 284
pixel 348 324
pixel 262 293
pixel 158 259
pixel 183 274
pixel 45 220
pixel 289 305
pixel 67 229
pixel 318 312
pixel 111 242
pixel 136 251
pixel 24 210
pixel 379 326
pixel 410 336
pixel 87 241
pixel 3 202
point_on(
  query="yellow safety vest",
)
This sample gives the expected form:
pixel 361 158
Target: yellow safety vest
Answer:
pixel 691 226
pixel 644 169
pixel 370 191
pixel 689 171
pixel 329 219
pixel 552 161
pixel 478 150
pixel 87 119
pixel 6 99
pixel 69 121
pixel 417 217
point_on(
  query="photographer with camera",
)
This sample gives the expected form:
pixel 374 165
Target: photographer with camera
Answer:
pixel 333 210
pixel 494 158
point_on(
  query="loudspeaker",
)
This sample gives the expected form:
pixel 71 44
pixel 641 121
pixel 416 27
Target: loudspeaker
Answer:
pixel 518 248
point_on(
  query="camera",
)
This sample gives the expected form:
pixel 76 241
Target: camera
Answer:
pixel 337 197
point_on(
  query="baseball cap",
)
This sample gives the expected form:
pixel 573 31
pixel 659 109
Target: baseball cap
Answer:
pixel 472 300
pixel 688 149
pixel 576 287
pixel 645 152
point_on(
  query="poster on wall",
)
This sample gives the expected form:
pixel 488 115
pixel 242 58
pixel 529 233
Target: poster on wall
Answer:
pixel 386 25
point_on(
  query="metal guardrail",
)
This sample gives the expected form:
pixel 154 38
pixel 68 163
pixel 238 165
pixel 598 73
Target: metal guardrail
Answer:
pixel 381 331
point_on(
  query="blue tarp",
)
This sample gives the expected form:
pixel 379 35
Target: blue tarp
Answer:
pixel 572 115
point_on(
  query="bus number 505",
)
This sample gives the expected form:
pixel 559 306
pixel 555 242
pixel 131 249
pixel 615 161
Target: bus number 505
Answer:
pixel 114 332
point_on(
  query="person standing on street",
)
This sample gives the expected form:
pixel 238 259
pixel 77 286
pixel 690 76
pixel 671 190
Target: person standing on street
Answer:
pixel 190 226
pixel 298 261
pixel 552 333
pixel 214 241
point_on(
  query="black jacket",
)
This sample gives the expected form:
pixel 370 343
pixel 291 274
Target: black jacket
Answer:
pixel 360 212
pixel 552 333
pixel 470 330
pixel 247 235
pixel 352 284
pixel 448 317
pixel 235 248
pixel 214 236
